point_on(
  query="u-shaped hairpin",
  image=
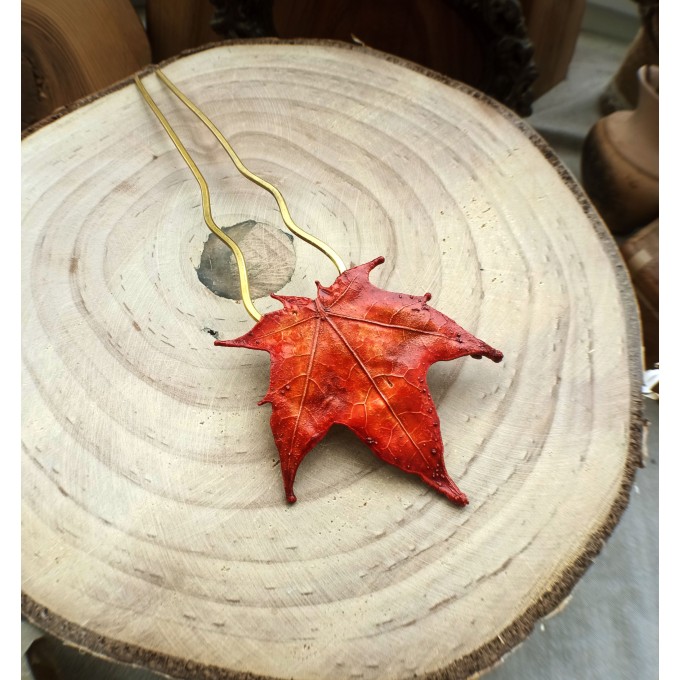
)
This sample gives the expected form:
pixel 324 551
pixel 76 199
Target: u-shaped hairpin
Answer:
pixel 205 192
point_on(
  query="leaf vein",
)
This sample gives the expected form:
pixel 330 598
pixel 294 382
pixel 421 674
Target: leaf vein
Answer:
pixel 285 328
pixel 308 377
pixel 357 358
pixel 384 324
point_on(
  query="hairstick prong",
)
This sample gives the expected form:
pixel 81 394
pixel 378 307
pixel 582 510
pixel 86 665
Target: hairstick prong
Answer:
pixel 205 199
pixel 283 208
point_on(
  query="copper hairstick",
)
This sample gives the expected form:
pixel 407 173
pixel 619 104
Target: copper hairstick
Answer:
pixel 205 192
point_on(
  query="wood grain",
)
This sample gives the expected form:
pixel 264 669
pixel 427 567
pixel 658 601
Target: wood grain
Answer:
pixel 428 33
pixel 155 530
pixel 177 25
pixel 70 49
pixel 554 27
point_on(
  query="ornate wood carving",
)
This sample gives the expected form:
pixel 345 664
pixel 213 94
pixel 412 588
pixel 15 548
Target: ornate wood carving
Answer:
pixel 243 18
pixel 509 69
pixel 509 66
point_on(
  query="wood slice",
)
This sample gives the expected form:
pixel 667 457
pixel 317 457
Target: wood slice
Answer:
pixel 155 529
pixel 71 48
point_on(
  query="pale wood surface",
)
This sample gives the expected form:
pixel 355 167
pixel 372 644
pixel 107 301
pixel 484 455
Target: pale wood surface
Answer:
pixel 154 524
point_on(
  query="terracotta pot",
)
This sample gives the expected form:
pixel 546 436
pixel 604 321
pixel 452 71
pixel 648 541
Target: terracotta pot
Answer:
pixel 620 160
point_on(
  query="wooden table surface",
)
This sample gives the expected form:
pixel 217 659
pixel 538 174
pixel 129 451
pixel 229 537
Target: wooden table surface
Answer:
pixel 154 528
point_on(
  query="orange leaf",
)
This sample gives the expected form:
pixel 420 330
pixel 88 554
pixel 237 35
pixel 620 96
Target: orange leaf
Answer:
pixel 358 355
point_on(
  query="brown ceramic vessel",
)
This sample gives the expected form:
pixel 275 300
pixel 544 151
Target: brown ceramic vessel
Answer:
pixel 620 160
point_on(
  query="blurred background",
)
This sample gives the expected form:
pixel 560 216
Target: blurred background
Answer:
pixel 583 73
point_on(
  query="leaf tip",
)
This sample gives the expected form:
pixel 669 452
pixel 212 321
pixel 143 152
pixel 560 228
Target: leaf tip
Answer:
pixel 490 353
pixel 456 495
pixel 446 486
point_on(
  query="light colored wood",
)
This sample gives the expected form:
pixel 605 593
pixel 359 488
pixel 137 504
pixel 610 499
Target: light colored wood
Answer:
pixel 155 529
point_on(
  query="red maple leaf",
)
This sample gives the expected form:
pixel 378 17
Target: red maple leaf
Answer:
pixel 358 355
